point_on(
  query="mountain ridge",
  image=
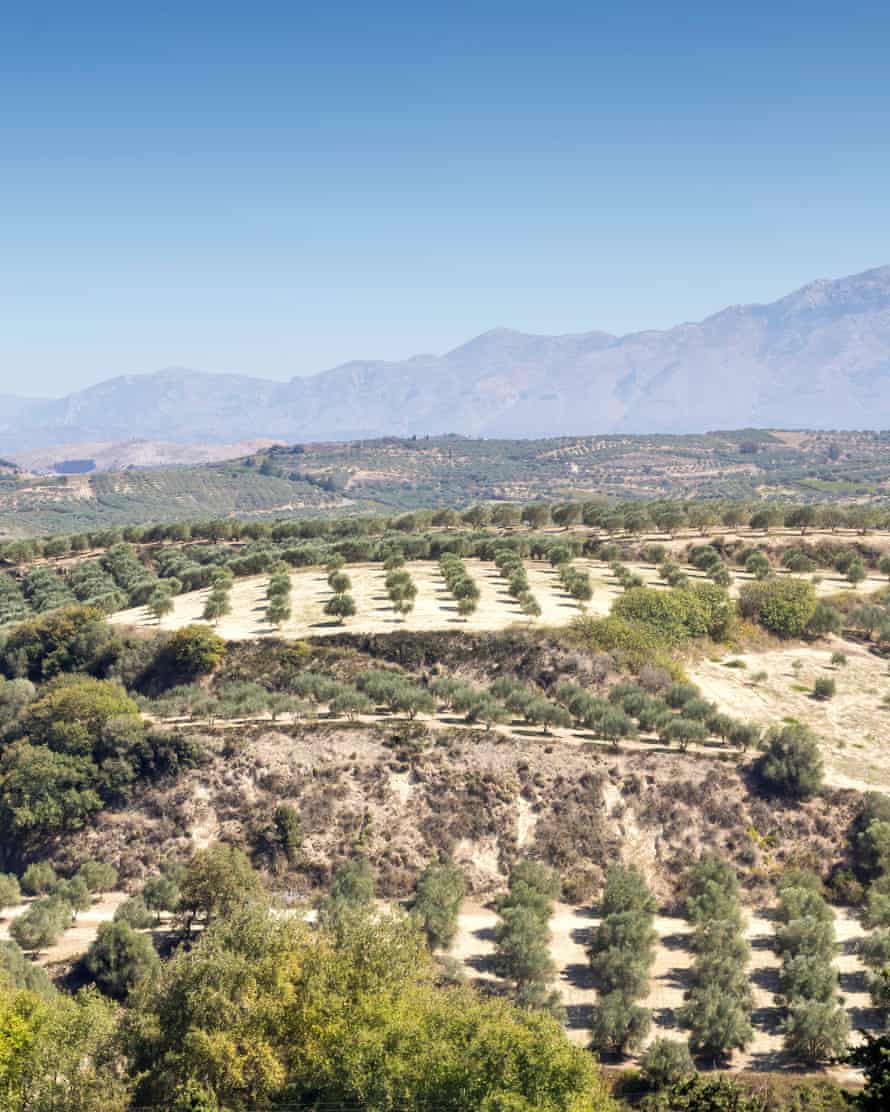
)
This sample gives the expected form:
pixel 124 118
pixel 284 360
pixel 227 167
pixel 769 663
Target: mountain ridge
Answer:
pixel 818 357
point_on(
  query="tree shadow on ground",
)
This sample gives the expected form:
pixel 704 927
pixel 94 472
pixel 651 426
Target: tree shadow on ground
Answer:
pixel 581 935
pixel 680 976
pixel 680 940
pixel 578 1016
pixel 767 978
pixel 481 963
pixel 854 981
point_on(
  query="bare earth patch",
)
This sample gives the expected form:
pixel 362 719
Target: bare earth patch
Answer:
pixel 852 726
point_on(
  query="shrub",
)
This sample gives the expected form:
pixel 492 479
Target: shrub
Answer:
pixel 10 891
pixel 135 913
pixel 791 764
pixel 665 1062
pixel 42 792
pixel 193 651
pixel 633 645
pixel 70 716
pixel 119 958
pixel 98 876
pixel 675 615
pixel 71 639
pixel 824 688
pixel 39 879
pixel 782 606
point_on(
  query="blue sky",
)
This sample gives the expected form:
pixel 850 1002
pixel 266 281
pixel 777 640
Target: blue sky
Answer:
pixel 275 188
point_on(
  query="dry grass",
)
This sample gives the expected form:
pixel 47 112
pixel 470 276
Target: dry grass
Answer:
pixel 852 725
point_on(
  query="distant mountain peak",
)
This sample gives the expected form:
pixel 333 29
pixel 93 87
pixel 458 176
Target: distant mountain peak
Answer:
pixel 818 357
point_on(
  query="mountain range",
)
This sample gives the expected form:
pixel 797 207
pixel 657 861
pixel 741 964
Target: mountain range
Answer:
pixel 818 358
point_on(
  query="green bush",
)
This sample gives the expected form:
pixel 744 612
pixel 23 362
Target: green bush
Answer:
pixel 72 639
pixel 824 688
pixel 98 876
pixel 193 651
pixel 633 645
pixel 119 958
pixel 675 614
pixel 135 913
pixel 782 606
pixel 665 1062
pixel 41 924
pixel 71 715
pixel 39 879
pixel 791 764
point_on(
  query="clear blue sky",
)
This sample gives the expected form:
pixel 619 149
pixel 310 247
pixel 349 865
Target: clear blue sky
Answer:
pixel 275 188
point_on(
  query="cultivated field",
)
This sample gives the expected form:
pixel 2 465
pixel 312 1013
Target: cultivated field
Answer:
pixel 571 927
pixel 434 607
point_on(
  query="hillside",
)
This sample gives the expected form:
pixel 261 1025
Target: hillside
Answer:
pixel 672 708
pixel 401 474
pixel 817 358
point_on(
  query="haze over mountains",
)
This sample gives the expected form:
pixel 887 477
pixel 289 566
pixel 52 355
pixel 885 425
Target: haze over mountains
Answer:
pixel 818 358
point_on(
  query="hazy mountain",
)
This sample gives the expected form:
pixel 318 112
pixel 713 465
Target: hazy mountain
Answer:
pixel 124 454
pixel 819 357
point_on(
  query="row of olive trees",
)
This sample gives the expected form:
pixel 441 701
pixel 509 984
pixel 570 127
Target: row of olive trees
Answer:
pixel 815 1026
pixel 609 516
pixel 621 952
pixel 400 585
pixel 718 1008
pixel 341 605
pixel 278 595
pixel 219 600
pixel 575 583
pixel 870 846
pixel 460 583
pixel 522 935
pixel 511 568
